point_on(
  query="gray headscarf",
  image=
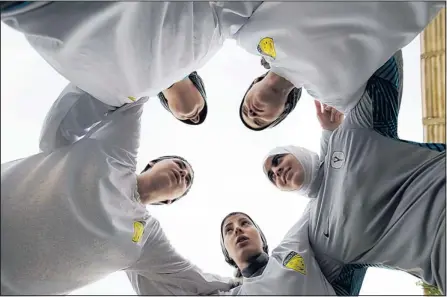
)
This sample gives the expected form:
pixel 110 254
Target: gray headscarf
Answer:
pixel 308 159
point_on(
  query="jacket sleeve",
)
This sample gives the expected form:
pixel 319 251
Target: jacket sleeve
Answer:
pixel 324 142
pixel 378 108
pixel 160 270
pixel 70 118
pixel 60 34
pixel 118 134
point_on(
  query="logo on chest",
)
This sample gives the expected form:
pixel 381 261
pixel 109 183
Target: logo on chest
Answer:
pixel 266 47
pixel 337 160
pixel 138 230
pixel 295 262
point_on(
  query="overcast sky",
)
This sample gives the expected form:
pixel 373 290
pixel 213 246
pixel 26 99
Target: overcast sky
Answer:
pixel 227 158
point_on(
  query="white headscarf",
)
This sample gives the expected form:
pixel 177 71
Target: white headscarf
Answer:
pixel 308 159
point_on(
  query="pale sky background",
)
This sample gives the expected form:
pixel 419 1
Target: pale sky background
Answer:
pixel 226 157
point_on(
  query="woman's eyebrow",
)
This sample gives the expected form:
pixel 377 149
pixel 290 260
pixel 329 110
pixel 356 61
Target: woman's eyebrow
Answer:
pixel 228 224
pixel 243 219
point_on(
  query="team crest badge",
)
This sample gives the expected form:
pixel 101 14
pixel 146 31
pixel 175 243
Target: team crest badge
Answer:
pixel 138 230
pixel 295 262
pixel 266 47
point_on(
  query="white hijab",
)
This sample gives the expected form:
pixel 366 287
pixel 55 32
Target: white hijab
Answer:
pixel 308 159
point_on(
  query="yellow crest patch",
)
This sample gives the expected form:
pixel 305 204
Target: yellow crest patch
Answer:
pixel 266 47
pixel 295 262
pixel 138 230
pixel 131 98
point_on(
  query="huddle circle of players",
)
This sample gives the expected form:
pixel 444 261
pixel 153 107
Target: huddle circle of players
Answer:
pixel 84 205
